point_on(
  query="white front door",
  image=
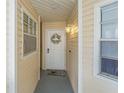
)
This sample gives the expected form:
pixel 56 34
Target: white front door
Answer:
pixel 55 49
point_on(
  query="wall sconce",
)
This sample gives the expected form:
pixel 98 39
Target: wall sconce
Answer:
pixel 68 29
pixel 72 31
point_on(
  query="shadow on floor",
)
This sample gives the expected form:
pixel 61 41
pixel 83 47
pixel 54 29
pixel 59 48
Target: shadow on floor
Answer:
pixel 53 84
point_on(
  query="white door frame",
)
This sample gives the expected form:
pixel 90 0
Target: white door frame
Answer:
pixel 11 46
pixel 46 33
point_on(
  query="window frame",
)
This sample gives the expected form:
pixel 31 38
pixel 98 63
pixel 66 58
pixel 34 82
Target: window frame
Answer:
pixel 29 34
pixel 97 40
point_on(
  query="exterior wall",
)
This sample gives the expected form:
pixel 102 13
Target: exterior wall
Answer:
pixel 92 84
pixel 72 44
pixel 45 26
pixel 27 67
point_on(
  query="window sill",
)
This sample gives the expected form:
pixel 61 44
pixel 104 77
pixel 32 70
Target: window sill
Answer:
pixel 29 54
pixel 111 77
pixel 107 78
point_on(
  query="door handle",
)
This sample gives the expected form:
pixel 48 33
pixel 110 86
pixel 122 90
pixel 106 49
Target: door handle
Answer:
pixel 48 50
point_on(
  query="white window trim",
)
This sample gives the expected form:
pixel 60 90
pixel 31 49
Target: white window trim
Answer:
pixel 97 33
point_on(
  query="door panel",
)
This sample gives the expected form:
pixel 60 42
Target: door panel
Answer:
pixel 55 52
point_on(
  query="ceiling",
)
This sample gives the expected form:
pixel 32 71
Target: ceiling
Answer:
pixel 53 10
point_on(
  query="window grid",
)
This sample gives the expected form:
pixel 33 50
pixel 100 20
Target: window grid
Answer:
pixel 109 39
pixel 29 24
pixel 29 35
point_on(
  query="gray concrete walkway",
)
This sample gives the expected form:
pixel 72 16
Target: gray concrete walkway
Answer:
pixel 53 84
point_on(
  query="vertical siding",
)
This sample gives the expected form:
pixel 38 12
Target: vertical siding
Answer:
pixel 72 44
pixel 27 67
pixel 19 31
pixel 91 84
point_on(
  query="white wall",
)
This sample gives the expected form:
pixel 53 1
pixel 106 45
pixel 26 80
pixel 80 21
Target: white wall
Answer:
pixel 45 26
pixel 92 84
pixel 28 67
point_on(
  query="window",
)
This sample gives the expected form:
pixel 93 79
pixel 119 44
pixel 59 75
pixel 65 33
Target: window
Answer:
pixel 107 41
pixel 29 35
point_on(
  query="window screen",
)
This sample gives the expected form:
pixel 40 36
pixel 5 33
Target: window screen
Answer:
pixel 29 35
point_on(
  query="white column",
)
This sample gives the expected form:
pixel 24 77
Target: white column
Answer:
pixel 80 46
pixel 11 46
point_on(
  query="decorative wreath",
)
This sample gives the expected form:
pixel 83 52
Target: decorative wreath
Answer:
pixel 56 39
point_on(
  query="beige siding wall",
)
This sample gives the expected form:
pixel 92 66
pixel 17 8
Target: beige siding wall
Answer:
pixel 27 67
pixel 91 84
pixel 72 44
pixel 45 26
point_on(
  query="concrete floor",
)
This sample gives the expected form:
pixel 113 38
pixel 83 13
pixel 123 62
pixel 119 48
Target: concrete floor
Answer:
pixel 53 84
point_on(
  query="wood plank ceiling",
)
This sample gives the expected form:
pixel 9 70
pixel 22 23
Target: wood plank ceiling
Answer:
pixel 54 10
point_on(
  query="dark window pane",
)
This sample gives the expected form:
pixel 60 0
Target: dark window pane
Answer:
pixel 34 28
pixel 25 18
pixel 109 31
pixel 109 49
pixel 109 57
pixel 109 66
pixel 31 26
pixel 110 12
pixel 109 23
pixel 29 44
pixel 25 23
